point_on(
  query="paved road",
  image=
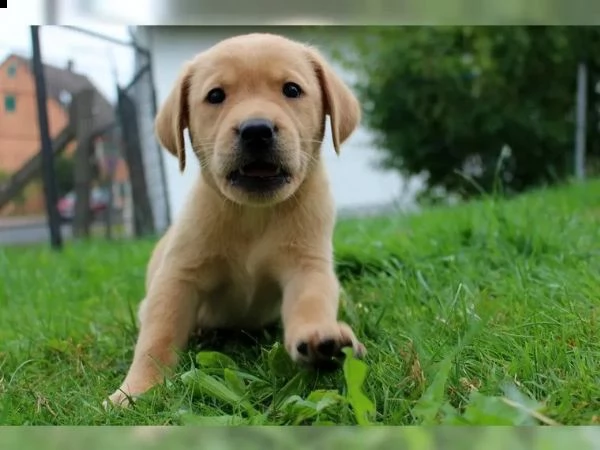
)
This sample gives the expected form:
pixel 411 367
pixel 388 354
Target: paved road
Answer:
pixel 30 231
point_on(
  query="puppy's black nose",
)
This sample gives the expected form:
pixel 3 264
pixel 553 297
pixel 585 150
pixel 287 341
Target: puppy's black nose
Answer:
pixel 257 132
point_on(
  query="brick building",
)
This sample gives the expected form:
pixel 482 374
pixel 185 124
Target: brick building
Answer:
pixel 19 133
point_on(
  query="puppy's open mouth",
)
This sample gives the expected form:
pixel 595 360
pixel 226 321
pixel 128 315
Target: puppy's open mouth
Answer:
pixel 259 176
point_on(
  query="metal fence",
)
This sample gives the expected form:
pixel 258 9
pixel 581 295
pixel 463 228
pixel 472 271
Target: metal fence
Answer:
pixel 124 135
pixel 136 108
pixel 147 210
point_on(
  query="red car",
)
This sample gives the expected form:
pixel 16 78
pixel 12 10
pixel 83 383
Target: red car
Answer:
pixel 98 204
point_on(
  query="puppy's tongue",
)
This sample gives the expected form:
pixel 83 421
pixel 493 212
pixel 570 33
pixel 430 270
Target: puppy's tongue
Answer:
pixel 260 170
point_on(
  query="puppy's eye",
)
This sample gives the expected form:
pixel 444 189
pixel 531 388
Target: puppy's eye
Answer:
pixel 215 96
pixel 292 90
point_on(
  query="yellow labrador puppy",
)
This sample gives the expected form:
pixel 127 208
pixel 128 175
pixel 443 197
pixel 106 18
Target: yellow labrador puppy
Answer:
pixel 254 241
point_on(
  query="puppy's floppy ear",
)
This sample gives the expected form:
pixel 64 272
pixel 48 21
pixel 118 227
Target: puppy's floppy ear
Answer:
pixel 340 103
pixel 173 117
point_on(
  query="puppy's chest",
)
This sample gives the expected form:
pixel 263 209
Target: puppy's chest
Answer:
pixel 249 280
pixel 245 291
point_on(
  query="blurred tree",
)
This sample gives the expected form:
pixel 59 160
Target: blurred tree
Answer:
pixel 18 200
pixel 64 169
pixel 447 100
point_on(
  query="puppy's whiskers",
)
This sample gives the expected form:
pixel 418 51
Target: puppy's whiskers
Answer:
pixel 199 145
pixel 311 141
pixel 307 158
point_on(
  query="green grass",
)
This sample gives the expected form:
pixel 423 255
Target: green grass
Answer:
pixel 485 313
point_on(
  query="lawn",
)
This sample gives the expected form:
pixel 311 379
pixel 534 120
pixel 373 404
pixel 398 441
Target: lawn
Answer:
pixel 485 313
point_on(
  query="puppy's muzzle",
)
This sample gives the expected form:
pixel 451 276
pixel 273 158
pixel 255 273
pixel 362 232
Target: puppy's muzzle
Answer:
pixel 259 165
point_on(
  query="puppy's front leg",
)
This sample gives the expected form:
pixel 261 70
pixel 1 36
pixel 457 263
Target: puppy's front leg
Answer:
pixel 309 314
pixel 168 318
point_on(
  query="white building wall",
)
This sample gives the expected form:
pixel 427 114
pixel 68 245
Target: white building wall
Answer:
pixel 152 151
pixel 355 182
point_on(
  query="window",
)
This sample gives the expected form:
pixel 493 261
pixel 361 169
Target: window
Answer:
pixel 65 97
pixel 10 103
pixel 12 70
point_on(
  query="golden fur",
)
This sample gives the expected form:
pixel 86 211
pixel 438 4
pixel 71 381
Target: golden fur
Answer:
pixel 236 258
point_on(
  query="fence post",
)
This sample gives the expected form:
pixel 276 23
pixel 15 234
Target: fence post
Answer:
pixel 109 186
pixel 158 148
pixel 47 153
pixel 143 218
pixel 81 114
pixel 580 132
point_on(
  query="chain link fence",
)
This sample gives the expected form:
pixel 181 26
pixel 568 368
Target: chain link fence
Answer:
pixel 137 109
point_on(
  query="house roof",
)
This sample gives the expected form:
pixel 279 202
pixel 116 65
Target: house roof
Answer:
pixel 61 80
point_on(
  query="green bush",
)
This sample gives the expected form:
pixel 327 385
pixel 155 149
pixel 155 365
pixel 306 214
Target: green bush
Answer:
pixel 445 101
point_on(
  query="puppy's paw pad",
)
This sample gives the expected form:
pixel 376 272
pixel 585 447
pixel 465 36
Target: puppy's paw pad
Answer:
pixel 302 348
pixel 316 345
pixel 328 348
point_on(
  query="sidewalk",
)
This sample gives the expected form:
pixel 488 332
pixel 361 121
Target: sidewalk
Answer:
pixel 22 221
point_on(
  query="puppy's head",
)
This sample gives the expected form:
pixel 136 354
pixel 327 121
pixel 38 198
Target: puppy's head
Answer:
pixel 255 107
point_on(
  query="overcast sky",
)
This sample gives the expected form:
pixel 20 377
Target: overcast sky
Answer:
pixel 91 56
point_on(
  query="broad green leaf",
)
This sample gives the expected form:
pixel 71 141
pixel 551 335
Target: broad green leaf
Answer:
pixel 204 384
pixel 355 372
pixel 215 360
pixel 450 416
pixel 280 363
pixel 290 401
pixel 428 406
pixel 299 410
pixel 324 399
pixel 234 381
pixel 487 410
pixel 512 393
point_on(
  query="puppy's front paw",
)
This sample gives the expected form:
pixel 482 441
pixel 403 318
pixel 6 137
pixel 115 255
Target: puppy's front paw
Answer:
pixel 318 344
